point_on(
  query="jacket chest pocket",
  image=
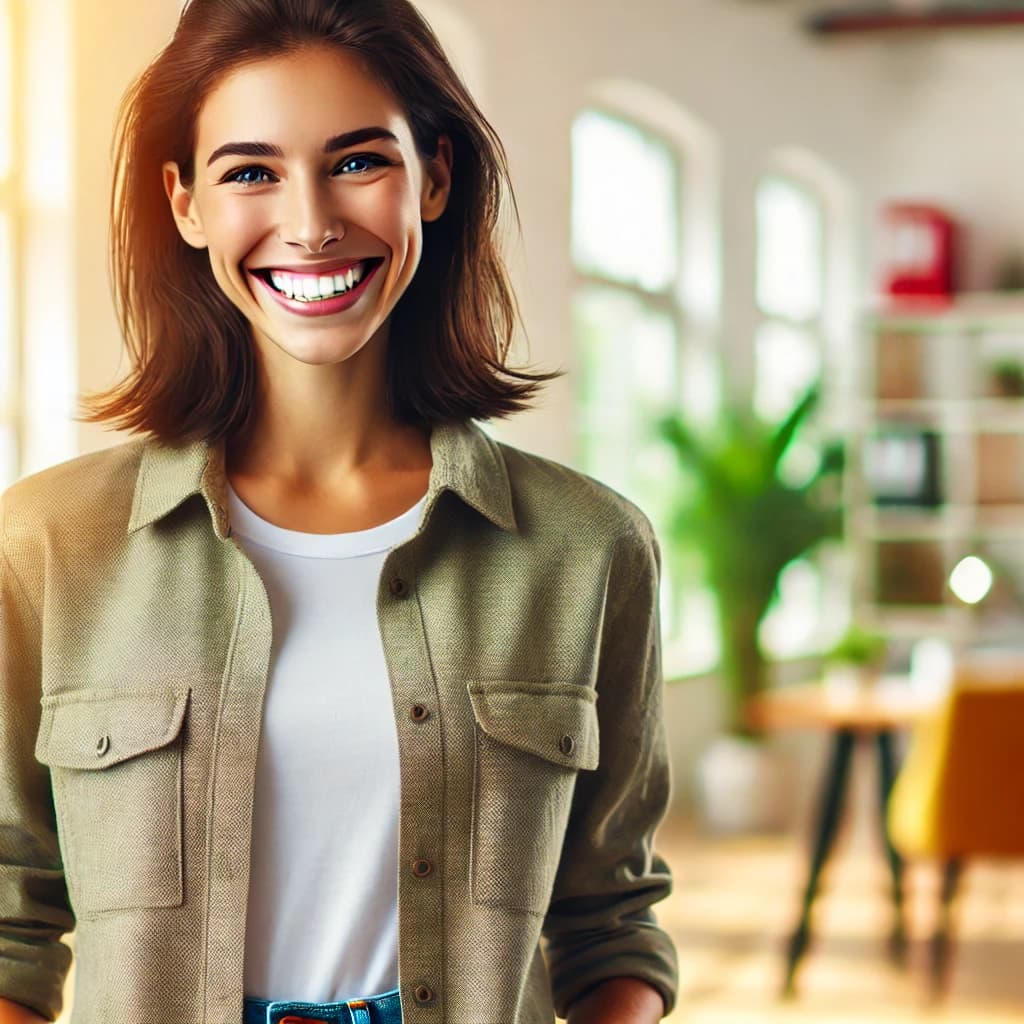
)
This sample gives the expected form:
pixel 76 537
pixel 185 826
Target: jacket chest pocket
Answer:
pixel 115 761
pixel 531 739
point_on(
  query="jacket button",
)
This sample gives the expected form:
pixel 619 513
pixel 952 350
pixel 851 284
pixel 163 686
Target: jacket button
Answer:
pixel 422 868
pixel 423 994
pixel 418 713
pixel 102 745
pixel 566 744
pixel 398 586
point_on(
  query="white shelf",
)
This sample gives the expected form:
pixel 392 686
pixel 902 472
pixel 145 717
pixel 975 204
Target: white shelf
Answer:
pixel 895 522
pixel 941 354
pixel 968 311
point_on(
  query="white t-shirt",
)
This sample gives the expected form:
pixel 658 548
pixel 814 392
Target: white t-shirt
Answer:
pixel 322 920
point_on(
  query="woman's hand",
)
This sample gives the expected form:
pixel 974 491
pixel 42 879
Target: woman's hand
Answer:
pixel 14 1013
pixel 617 1001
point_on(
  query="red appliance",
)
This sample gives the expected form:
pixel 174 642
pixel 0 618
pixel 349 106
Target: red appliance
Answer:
pixel 917 250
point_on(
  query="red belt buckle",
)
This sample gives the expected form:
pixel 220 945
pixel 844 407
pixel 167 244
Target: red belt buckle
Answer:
pixel 302 1020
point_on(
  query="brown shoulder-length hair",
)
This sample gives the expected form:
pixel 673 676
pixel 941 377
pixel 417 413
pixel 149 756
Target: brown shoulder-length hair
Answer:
pixel 191 352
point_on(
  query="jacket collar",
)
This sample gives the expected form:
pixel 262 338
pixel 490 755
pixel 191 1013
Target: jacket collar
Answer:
pixel 466 460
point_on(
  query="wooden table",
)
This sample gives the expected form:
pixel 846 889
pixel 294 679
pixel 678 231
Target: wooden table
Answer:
pixel 871 714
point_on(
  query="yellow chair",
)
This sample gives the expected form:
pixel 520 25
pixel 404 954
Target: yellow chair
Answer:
pixel 960 792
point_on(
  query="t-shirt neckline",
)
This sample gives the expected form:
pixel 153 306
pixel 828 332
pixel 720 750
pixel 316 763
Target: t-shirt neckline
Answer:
pixel 351 544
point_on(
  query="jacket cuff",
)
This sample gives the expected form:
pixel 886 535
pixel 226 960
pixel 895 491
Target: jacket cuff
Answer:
pixel 656 964
pixel 34 974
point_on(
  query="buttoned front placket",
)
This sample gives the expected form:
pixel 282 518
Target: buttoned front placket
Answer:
pixel 417 718
pixel 232 786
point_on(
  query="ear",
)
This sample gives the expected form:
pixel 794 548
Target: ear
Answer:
pixel 437 180
pixel 183 206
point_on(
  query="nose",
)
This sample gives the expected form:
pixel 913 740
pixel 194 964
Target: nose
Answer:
pixel 311 219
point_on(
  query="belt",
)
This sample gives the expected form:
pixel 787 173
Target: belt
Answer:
pixel 374 1010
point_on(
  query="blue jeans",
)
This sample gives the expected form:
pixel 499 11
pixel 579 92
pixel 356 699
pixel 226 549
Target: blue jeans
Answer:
pixel 385 1008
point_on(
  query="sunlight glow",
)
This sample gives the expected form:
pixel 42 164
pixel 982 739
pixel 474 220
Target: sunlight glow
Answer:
pixel 971 580
pixel 6 91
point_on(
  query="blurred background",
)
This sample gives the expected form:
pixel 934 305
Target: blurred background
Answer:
pixel 779 247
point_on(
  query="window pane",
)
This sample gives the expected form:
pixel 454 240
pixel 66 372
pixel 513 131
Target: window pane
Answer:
pixel 700 383
pixel 628 359
pixel 788 361
pixel 789 251
pixel 624 202
pixel 628 373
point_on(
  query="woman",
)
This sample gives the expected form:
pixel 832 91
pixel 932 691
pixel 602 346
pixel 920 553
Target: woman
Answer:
pixel 318 703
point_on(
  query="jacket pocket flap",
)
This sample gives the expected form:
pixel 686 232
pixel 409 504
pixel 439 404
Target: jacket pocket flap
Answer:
pixel 103 727
pixel 555 721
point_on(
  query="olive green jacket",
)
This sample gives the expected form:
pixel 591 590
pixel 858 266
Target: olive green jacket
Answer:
pixel 520 630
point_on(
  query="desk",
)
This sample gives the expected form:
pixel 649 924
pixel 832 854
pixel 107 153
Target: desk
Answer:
pixel 872 714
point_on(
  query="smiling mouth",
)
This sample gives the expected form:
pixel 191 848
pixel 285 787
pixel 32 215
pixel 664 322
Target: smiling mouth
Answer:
pixel 317 287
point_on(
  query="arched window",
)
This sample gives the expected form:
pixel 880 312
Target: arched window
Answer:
pixel 804 298
pixel 643 338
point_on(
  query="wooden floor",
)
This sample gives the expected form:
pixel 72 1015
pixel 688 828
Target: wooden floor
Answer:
pixel 735 901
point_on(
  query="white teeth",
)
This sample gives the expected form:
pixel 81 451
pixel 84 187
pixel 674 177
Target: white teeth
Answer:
pixel 322 286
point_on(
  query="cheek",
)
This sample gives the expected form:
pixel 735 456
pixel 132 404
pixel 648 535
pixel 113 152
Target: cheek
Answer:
pixel 394 213
pixel 233 228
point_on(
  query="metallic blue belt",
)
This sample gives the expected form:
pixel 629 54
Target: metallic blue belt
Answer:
pixel 385 1008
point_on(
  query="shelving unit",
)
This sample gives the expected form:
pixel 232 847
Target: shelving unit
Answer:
pixel 927 396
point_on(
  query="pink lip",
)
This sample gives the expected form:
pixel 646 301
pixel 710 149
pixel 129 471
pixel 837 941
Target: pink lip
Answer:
pixel 322 307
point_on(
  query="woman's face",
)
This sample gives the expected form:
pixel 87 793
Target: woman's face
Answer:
pixel 310 195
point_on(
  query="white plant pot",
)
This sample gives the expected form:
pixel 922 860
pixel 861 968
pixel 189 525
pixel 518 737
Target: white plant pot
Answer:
pixel 745 786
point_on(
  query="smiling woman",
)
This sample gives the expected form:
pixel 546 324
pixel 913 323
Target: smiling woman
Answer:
pixel 237 142
pixel 318 703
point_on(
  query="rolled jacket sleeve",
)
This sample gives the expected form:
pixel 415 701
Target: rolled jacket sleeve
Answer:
pixel 600 924
pixel 34 907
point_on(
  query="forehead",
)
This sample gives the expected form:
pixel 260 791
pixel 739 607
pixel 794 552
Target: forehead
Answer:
pixel 304 96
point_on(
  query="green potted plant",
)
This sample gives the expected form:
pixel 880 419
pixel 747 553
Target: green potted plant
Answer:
pixel 856 661
pixel 735 512
pixel 1008 378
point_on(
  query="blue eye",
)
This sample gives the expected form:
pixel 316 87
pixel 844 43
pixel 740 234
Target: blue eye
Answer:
pixel 254 174
pixel 239 175
pixel 370 159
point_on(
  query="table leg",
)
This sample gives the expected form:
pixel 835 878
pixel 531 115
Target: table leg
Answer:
pixel 829 813
pixel 939 967
pixel 886 778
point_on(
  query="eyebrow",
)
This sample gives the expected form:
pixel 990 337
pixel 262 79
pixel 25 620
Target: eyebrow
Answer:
pixel 332 145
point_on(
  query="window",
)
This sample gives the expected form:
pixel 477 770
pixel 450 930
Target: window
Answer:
pixel 638 353
pixel 797 310
pixel 790 294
